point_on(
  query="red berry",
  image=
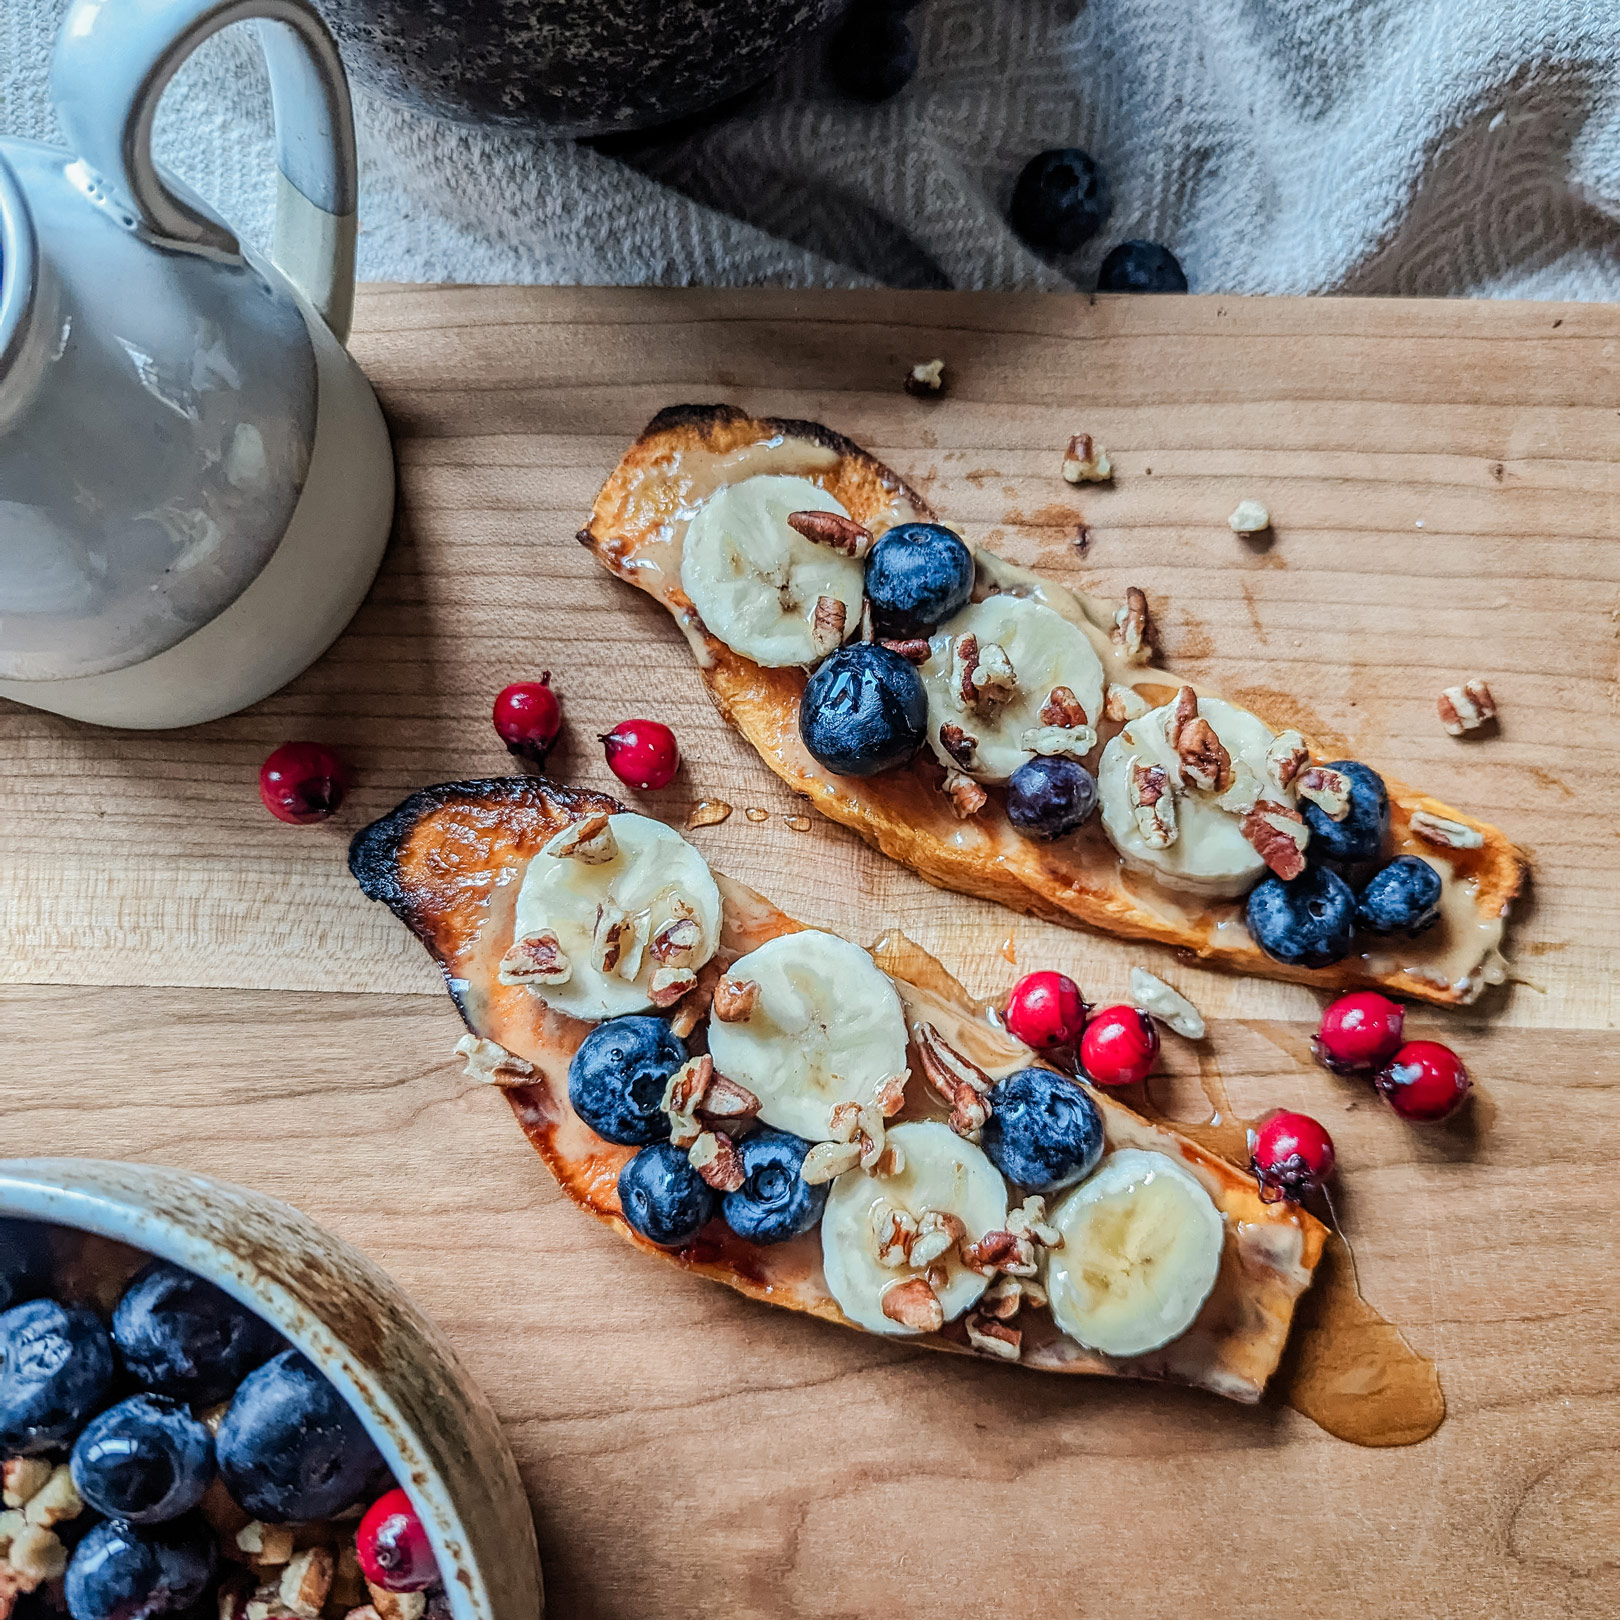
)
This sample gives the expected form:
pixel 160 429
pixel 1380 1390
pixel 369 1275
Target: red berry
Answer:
pixel 302 782
pixel 393 1546
pixel 1359 1031
pixel 1119 1046
pixel 528 718
pixel 642 753
pixel 1424 1081
pixel 1046 1010
pixel 1291 1156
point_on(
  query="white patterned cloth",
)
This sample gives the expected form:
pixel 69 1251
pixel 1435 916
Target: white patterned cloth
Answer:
pixel 1277 146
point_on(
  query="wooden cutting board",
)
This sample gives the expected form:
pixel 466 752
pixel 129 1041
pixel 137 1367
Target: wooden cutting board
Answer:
pixel 188 981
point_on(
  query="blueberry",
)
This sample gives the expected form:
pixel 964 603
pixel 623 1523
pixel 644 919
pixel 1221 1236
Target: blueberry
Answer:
pixel 1402 897
pixel 917 576
pixel 183 1336
pixel 774 1203
pixel 1141 267
pixel 873 54
pixel 1360 836
pixel 290 1447
pixel 617 1078
pixel 1044 1131
pixel 664 1198
pixel 24 1261
pixel 864 711
pixel 1060 201
pixel 121 1572
pixel 145 1460
pixel 1049 796
pixel 56 1363
pixel 1306 922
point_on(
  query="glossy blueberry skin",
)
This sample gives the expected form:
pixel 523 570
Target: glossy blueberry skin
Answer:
pixel 290 1447
pixel 182 1336
pixel 864 711
pixel 917 576
pixel 617 1077
pixel 1360 836
pixel 873 54
pixel 1307 922
pixel 24 1261
pixel 774 1203
pixel 1141 267
pixel 56 1366
pixel 1402 897
pixel 123 1571
pixel 146 1460
pixel 1044 1131
pixel 664 1198
pixel 1049 796
pixel 1060 200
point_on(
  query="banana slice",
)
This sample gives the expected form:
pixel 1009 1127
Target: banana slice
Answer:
pixel 755 582
pixel 1141 1250
pixel 1209 854
pixel 1024 652
pixel 943 1175
pixel 824 1027
pixel 607 908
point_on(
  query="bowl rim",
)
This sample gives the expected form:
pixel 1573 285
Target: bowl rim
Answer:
pixel 89 1195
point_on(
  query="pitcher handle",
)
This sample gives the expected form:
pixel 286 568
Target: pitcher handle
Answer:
pixel 113 61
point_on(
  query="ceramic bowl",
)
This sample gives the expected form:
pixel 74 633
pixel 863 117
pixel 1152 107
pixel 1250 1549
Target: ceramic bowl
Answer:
pixel 432 1425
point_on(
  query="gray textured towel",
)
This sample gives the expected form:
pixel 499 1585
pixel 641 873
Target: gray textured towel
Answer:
pixel 1370 146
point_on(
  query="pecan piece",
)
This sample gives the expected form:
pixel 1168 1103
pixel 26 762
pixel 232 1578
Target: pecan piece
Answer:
pixel 833 530
pixel 1326 788
pixel 1279 835
pixel 1151 993
pixel 914 651
pixel 1006 1296
pixel 964 660
pixel 1086 462
pixel 715 1157
pixel 25 1477
pixel 590 839
pixel 676 942
pixel 1153 804
pixel 734 1002
pixel 1444 832
pixel 914 1304
pixel 993 1338
pixel 827 624
pixel 1133 628
pixel 938 1232
pixel 893 1233
pixel 669 984
pixel 1122 703
pixel 966 796
pixel 1205 763
pixel 614 934
pixel 307 1580
pixel 827 1160
pixel 537 958
pixel 683 1093
pixel 959 744
pixel 1063 708
pixel 724 1099
pixel 1286 758
pixel 1466 707
pixel 926 379
pixel 956 1081
pixel 1067 742
pixel 889 1095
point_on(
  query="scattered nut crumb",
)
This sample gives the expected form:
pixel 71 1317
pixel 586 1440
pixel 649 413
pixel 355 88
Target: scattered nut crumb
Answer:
pixel 37 1554
pixel 1466 707
pixel 1086 462
pixel 707 813
pixel 926 380
pixel 267 1543
pixel 1446 833
pixel 56 1500
pixel 397 1605
pixel 1155 996
pixel 1250 517
pixel 306 1581
pixel 490 1062
pixel 23 1477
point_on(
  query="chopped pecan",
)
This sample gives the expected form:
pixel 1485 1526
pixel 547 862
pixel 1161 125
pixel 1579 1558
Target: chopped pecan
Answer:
pixel 1326 788
pixel 715 1157
pixel 938 1232
pixel 958 743
pixel 868 634
pixel 1250 517
pixel 1279 835
pixel 1444 832
pixel 966 796
pixel 889 1095
pixel 56 1501
pixel 915 651
pixel 1246 787
pixel 1153 804
pixel 1123 703
pixel 926 379
pixel 734 1001
pixel 1466 707
pixel 956 1081
pixel 994 678
pixel 993 1338
pixel 832 529
pixel 669 984
pixel 537 958
pixel 37 1555
pixel 1007 1295
pixel 861 1125
pixel 1028 1220
pixel 992 1252
pixel 1152 993
pixel 1133 628
pixel 1086 462
pixel 827 1160
pixel 396 1605
pixel 590 839
pixel 25 1477
pixel 490 1062
pixel 1063 708
pixel 268 1544
pixel 893 1232
pixel 683 1092
pixel 723 1099
pixel 1013 1250
pixel 913 1304
pixel 827 624
pixel 1286 758
pixel 1205 762
pixel 1067 742
pixel 613 936
pixel 676 942
pixel 964 660
pixel 307 1580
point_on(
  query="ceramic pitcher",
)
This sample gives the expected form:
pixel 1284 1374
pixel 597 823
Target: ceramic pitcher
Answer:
pixel 196 484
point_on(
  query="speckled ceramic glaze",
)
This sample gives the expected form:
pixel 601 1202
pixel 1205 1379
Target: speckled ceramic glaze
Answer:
pixel 571 67
pixel 434 1428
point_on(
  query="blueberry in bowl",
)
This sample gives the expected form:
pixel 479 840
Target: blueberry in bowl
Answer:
pixel 1141 267
pixel 125 1571
pixel 775 1202
pixel 56 1367
pixel 1307 921
pixel 864 710
pixel 917 576
pixel 1050 796
pixel 145 1460
pixel 1360 835
pixel 616 1079
pixel 1401 897
pixel 1044 1131
pixel 1060 200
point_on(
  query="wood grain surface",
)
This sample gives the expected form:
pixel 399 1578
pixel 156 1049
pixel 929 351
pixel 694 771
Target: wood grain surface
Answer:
pixel 191 982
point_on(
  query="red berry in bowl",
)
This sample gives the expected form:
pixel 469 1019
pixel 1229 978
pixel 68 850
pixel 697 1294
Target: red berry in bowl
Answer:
pixel 528 718
pixel 1291 1156
pixel 302 782
pixel 1424 1081
pixel 1119 1047
pixel 1359 1031
pixel 393 1547
pixel 642 753
pixel 1046 1011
